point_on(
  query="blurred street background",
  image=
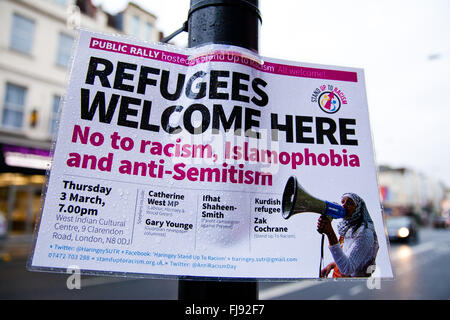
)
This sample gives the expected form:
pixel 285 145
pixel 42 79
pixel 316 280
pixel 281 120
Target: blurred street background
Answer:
pixel 402 48
pixel 420 268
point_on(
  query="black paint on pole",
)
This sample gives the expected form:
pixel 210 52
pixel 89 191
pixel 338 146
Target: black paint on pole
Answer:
pixel 234 22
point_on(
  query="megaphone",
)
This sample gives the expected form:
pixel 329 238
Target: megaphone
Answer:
pixel 297 200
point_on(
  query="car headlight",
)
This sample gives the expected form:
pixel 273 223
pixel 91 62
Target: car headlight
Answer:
pixel 403 232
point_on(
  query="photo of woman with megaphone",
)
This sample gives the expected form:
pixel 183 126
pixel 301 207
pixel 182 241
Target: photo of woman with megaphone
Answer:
pixel 356 249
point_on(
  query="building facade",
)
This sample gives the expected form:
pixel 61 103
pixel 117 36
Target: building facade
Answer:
pixel 36 46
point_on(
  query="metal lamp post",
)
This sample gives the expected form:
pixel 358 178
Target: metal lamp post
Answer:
pixel 234 22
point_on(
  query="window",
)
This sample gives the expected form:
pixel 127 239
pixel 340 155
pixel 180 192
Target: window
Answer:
pixel 148 31
pixel 64 50
pixel 13 108
pixel 135 26
pixel 54 115
pixel 22 32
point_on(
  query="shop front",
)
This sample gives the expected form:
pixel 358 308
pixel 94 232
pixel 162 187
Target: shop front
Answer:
pixel 22 177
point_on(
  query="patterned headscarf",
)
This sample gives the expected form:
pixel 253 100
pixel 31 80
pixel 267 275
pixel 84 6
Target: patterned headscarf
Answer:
pixel 359 217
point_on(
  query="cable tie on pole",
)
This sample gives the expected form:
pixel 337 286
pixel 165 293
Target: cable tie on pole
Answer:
pixel 177 32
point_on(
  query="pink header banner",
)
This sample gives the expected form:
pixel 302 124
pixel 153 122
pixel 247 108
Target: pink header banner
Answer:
pixel 222 56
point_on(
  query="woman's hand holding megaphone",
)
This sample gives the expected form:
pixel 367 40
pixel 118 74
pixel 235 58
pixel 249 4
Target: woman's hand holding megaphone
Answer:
pixel 324 227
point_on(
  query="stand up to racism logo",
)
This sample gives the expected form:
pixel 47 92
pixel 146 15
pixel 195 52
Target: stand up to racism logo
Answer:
pixel 328 98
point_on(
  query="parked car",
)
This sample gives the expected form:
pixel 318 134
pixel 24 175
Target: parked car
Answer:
pixel 441 222
pixel 402 228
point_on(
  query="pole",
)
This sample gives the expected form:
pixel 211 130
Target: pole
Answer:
pixel 234 22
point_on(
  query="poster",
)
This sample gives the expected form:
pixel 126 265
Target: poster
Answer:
pixel 173 162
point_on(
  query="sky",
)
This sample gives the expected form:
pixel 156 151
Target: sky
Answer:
pixel 402 45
